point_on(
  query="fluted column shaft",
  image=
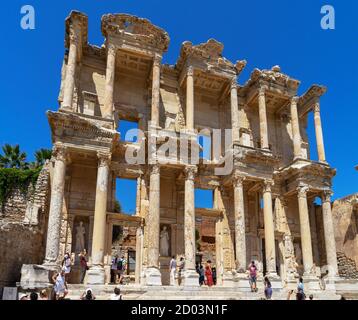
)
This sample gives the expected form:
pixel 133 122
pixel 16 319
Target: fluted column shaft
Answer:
pixel 71 69
pixel 56 203
pixel 189 218
pixel 234 112
pixel 319 133
pixel 100 211
pixel 296 136
pixel 329 238
pixel 156 90
pixel 263 120
pixel 270 249
pixel 240 233
pixel 190 99
pixel 306 240
pixel 154 217
pixel 109 86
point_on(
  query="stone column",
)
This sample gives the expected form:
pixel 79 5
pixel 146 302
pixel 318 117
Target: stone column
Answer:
pixel 56 203
pixel 109 86
pixel 296 136
pixel 138 254
pixel 71 68
pixel 190 275
pixel 156 90
pixel 153 276
pixel 270 249
pixel 263 120
pixel 240 233
pixel 190 99
pixel 306 241
pixel 96 275
pixel 329 239
pixel 319 133
pixel 234 112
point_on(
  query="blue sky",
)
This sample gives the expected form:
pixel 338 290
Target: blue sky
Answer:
pixel 265 33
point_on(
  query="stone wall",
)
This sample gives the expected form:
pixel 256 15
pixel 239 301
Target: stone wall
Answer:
pixel 22 228
pixel 345 218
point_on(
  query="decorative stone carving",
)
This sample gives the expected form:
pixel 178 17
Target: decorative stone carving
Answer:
pixel 80 237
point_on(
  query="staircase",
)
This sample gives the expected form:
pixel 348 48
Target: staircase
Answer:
pixel 137 292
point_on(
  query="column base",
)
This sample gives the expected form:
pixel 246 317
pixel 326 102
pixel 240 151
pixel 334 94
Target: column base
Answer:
pixel 312 282
pixel 228 279
pixel 96 275
pixel 37 276
pixel 242 282
pixel 330 282
pixel 191 278
pixel 153 277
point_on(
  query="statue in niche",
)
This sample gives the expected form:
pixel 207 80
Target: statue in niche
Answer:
pixel 80 237
pixel 164 242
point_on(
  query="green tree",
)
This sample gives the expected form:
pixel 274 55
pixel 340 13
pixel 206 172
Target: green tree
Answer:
pixel 117 207
pixel 12 157
pixel 41 156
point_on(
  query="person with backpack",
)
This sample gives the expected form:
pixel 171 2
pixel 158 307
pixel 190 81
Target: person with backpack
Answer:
pixel 114 269
pixel 253 276
pixel 66 264
pixel 300 295
pixel 121 268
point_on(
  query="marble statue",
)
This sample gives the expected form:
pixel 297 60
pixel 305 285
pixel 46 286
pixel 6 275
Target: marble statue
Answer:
pixel 80 237
pixel 164 242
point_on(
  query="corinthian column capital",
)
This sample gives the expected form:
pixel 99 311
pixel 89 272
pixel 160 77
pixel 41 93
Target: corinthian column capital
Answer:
pixel 267 185
pixel 111 47
pixel 262 91
pixel 295 99
pixel 233 83
pixel 104 159
pixel 59 152
pixel 302 191
pixel 326 195
pixel 190 172
pixel 157 60
pixel 238 180
pixel 316 107
pixel 155 168
pixel 190 71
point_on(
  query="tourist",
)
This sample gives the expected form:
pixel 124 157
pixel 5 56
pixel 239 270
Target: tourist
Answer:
pixel 214 275
pixel 181 267
pixel 23 296
pixel 209 274
pixel 121 268
pixel 311 297
pixel 34 296
pixel 268 289
pixel 253 276
pixel 289 294
pixel 60 286
pixel 114 269
pixel 66 263
pixel 172 268
pixel 300 295
pixel 88 295
pixel 201 275
pixel 83 264
pixel 116 295
pixel 43 295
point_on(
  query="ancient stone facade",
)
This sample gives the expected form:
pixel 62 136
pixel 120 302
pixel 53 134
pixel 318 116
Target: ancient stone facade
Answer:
pixel 264 208
pixel 22 228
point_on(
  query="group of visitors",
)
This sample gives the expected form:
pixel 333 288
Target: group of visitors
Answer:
pixel 118 269
pixel 207 274
pixel 34 296
pixel 252 271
